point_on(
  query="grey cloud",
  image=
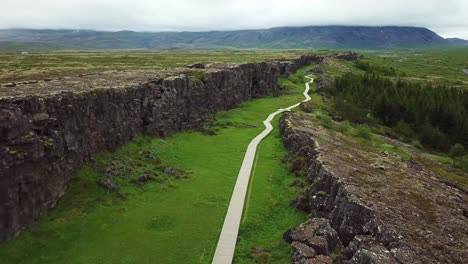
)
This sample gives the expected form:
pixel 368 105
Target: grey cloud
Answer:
pixel 446 17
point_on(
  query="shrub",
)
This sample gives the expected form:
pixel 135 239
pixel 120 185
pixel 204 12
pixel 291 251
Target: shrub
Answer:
pixel 364 131
pixel 307 107
pixel 196 75
pixel 344 127
pixel 457 150
pixel 350 110
pixel 417 144
pixel 325 120
pixel 461 163
pixel 404 129
pixel 432 136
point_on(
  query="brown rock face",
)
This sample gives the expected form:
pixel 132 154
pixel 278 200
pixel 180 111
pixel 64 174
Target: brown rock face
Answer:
pixel 43 139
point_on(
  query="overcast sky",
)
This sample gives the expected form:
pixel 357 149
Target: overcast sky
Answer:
pixel 448 18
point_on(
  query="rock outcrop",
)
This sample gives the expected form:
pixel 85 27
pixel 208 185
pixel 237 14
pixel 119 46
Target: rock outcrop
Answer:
pixel 361 213
pixel 44 138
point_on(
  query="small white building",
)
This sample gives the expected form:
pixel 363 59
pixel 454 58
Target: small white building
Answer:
pixel 24 53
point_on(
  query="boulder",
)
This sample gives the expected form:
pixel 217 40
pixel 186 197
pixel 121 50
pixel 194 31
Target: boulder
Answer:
pixel 108 184
pixel 320 244
pixel 320 259
pixel 300 252
pixel 376 254
pixel 306 230
pixel 196 66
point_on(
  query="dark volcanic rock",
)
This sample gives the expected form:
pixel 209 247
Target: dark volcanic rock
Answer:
pixel 316 234
pixel 320 259
pixel 350 56
pixel 109 185
pixel 300 252
pixel 12 123
pixel 377 254
pixel 404 214
pixel 196 66
pixel 143 179
pixel 319 243
pixel 43 139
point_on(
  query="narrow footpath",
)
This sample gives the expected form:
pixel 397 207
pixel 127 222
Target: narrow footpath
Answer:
pixel 228 238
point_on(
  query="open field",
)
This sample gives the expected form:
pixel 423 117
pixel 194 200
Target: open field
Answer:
pixel 440 66
pixel 437 65
pixel 174 220
pixel 38 66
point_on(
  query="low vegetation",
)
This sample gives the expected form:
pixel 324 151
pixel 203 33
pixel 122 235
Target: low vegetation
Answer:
pixel 196 75
pixel 38 66
pixel 370 97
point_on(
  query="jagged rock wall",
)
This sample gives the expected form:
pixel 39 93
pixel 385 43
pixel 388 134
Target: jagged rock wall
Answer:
pixel 363 237
pixel 44 139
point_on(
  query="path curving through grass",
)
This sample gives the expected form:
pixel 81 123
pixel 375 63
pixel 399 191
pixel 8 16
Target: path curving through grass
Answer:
pixel 178 220
pixel 227 241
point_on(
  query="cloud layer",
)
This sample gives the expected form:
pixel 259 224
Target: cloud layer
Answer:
pixel 446 17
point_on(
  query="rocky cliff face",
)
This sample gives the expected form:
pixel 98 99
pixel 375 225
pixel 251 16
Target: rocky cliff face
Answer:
pixel 369 207
pixel 43 139
pixel 344 223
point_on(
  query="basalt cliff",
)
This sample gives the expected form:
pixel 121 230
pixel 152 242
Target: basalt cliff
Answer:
pixel 46 134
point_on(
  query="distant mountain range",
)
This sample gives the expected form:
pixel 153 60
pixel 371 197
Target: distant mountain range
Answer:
pixel 458 41
pixel 315 37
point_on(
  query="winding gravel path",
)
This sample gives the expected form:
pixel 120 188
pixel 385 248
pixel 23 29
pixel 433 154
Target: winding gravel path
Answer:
pixel 227 240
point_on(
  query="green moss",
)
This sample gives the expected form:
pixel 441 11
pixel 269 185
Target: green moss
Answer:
pixel 336 252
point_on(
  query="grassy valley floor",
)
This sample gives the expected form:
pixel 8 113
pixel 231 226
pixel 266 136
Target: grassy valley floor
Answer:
pixel 268 212
pixel 172 220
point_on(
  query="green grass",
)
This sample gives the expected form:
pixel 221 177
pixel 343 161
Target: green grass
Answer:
pixel 175 221
pixel 442 66
pixel 268 212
